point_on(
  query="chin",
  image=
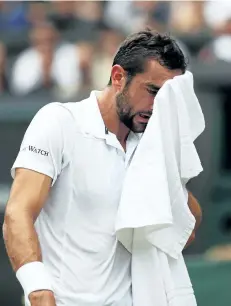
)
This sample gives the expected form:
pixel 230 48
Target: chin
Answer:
pixel 138 129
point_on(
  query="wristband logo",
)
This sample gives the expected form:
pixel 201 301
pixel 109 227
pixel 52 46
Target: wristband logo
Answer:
pixel 38 151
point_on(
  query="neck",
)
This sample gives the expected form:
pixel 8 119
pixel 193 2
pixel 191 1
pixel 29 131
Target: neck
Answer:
pixel 107 105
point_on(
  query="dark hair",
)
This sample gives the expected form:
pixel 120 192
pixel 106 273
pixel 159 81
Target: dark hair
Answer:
pixel 137 48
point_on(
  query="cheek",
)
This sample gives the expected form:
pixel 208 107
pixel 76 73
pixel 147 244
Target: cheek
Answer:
pixel 140 99
pixel 145 102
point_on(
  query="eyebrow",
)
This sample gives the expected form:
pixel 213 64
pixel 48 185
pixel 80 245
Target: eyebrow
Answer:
pixel 152 87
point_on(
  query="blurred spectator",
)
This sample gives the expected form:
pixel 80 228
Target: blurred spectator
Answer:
pixel 117 14
pixel 85 55
pixel 47 63
pixel 221 47
pixel 129 16
pixel 13 15
pixel 217 15
pixel 79 20
pixel 37 12
pixel 108 43
pixel 157 13
pixel 63 14
pixel 187 16
pixel 89 11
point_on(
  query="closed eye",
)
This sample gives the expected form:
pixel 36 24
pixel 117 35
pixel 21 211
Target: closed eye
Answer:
pixel 152 92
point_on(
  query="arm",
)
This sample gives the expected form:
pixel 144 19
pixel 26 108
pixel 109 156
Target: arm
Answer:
pixel 37 166
pixel 28 195
pixel 195 209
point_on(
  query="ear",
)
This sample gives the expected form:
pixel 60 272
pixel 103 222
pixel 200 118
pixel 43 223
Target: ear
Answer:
pixel 118 77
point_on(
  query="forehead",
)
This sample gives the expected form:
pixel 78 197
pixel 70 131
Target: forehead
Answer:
pixel 157 74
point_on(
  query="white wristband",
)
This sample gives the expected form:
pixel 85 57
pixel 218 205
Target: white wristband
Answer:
pixel 33 277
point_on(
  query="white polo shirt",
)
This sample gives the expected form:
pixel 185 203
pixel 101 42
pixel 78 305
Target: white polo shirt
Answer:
pixel 68 142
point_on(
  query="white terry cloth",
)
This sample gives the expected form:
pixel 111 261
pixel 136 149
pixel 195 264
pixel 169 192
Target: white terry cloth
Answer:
pixel 154 221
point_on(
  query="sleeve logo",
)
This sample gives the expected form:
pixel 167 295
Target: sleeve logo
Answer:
pixel 38 151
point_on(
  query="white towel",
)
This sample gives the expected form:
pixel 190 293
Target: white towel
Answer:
pixel 154 221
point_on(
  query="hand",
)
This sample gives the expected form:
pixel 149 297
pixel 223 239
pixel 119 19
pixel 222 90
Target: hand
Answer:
pixel 195 209
pixel 42 298
pixel 190 240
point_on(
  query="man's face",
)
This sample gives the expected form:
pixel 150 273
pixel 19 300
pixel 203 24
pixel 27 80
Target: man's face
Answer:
pixel 135 101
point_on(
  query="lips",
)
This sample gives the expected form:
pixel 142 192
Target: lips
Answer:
pixel 144 117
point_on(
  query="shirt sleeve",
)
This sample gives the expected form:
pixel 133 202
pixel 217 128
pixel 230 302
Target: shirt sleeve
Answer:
pixel 43 146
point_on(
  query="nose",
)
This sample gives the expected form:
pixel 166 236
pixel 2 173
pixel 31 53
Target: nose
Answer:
pixel 152 104
pixel 151 110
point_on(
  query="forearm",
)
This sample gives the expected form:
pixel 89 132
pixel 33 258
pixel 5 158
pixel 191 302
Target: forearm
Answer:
pixel 23 247
pixel 195 209
pixel 20 238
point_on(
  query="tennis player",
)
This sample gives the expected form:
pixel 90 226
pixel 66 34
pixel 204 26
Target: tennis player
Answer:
pixel 59 220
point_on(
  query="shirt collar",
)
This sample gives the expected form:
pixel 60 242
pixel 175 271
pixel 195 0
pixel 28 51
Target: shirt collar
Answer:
pixel 93 121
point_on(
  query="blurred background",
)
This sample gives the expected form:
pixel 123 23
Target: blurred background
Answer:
pixel 59 51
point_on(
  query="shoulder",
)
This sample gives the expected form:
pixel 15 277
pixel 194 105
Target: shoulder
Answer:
pixel 63 114
pixel 77 110
pixel 51 118
pixel 55 111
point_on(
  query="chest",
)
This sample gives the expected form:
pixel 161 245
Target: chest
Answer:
pixel 98 171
